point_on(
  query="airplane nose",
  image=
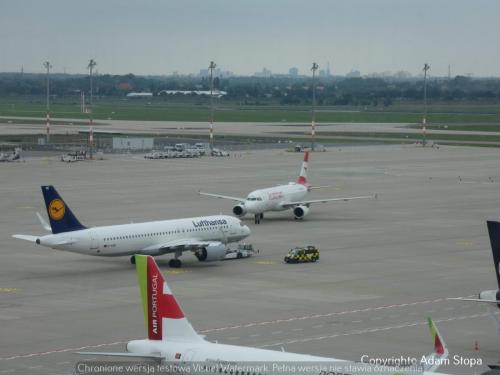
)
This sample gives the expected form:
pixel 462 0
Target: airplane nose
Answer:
pixel 246 230
pixel 250 207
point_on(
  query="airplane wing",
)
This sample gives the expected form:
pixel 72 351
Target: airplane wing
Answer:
pixel 114 354
pixel 236 199
pixel 305 203
pixel 492 301
pixel 25 237
pixel 181 244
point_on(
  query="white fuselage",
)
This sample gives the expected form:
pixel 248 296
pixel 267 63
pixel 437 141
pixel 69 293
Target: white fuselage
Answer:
pixel 273 198
pixel 146 238
pixel 210 357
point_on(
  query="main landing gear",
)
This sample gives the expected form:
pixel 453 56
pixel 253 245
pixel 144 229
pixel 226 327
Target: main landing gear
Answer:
pixel 175 263
pixel 258 218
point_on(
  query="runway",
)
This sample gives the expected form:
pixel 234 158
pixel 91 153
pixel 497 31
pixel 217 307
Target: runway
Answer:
pixel 385 264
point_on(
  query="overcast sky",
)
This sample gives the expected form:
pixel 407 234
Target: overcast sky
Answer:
pixel 163 36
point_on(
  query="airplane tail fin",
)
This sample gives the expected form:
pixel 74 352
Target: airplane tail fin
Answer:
pixel 440 353
pixel 60 216
pixel 494 232
pixel 302 179
pixel 163 316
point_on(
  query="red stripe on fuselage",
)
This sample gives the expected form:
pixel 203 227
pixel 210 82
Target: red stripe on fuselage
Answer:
pixel 159 305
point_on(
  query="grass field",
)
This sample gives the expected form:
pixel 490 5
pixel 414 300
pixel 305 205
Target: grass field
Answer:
pixel 199 111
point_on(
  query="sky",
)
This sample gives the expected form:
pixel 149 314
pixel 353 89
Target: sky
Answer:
pixel 243 36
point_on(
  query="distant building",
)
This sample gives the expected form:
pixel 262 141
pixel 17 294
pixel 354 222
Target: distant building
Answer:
pixel 266 73
pixel 353 74
pixel 294 72
pixel 139 95
pixel 132 143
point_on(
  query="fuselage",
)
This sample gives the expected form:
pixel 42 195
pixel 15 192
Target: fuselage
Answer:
pixel 145 238
pixel 273 198
pixel 216 358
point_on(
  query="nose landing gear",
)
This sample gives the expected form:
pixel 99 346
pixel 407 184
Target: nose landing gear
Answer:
pixel 258 218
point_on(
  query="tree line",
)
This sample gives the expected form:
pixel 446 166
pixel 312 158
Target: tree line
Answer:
pixel 259 90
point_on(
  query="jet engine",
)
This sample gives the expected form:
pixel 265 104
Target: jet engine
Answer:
pixel 211 253
pixel 490 295
pixel 300 212
pixel 239 210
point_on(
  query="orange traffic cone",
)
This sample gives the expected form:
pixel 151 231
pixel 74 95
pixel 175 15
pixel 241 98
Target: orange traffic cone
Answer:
pixel 476 346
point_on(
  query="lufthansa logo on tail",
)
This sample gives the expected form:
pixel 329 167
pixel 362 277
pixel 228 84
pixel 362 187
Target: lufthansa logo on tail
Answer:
pixel 57 209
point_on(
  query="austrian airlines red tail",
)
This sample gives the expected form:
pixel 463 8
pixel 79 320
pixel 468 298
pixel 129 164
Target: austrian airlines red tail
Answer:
pixel 302 179
pixel 162 314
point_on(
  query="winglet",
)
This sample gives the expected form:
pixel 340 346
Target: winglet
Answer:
pixel 440 354
pixel 439 347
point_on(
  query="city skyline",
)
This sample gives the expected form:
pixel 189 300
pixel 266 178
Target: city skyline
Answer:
pixel 160 38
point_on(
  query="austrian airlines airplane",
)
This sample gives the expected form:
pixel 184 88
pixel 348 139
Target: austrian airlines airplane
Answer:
pixel 172 339
pixel 206 236
pixel 280 198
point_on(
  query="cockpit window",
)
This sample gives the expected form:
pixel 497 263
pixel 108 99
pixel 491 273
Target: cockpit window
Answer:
pixel 254 199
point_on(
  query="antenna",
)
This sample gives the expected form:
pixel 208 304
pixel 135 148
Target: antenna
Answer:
pixel 47 66
pixel 91 67
pixel 313 121
pixel 211 67
pixel 424 119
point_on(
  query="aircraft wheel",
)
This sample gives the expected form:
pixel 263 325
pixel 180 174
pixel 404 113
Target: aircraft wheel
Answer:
pixel 175 263
pixel 132 259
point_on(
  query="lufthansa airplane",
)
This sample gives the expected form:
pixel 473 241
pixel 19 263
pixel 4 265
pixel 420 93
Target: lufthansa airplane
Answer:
pixel 492 297
pixel 173 340
pixel 206 236
pixel 280 198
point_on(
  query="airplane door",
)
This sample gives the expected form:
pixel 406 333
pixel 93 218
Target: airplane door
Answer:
pixel 94 241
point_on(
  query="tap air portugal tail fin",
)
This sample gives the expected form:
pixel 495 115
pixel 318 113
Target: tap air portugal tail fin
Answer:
pixel 163 316
pixel 60 216
pixel 302 179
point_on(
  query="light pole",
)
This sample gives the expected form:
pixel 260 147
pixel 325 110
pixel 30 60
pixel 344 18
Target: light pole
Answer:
pixel 47 66
pixel 212 67
pixel 91 66
pixel 424 120
pixel 313 122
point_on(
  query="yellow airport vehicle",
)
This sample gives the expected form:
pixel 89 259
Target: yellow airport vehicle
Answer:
pixel 302 255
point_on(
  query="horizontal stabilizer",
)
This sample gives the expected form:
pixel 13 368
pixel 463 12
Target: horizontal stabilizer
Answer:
pixel 114 354
pixel 25 237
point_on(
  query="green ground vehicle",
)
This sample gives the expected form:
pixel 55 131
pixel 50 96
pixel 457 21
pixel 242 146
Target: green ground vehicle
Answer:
pixel 302 255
